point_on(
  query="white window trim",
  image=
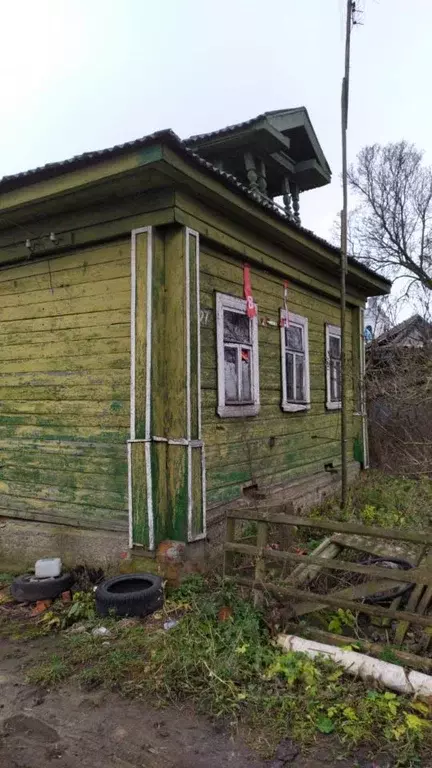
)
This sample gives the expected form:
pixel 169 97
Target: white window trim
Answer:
pixel 225 301
pixel 331 330
pixel 287 405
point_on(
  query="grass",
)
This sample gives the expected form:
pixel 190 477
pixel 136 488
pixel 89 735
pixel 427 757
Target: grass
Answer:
pixel 6 579
pixel 226 665
pixel 385 500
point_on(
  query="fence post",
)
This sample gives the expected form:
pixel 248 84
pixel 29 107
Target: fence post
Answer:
pixel 230 524
pixel 260 562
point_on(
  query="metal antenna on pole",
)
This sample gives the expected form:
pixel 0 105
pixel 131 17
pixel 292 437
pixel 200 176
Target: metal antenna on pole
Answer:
pixel 350 20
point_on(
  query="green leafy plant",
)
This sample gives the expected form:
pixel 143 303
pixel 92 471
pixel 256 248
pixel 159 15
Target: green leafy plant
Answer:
pixel 82 608
pixel 341 619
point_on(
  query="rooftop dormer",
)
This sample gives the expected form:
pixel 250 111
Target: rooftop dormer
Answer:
pixel 277 154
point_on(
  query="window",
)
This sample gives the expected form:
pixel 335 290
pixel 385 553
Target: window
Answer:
pixel 295 363
pixel 333 366
pixel 237 358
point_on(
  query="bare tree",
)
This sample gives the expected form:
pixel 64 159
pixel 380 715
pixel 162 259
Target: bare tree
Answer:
pixel 392 224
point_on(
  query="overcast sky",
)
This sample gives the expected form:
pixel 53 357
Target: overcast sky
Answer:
pixel 78 75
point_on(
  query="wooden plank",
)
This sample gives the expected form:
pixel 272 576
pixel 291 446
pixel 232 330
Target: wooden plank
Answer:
pixel 52 280
pixel 424 602
pixel 67 378
pixel 105 393
pixel 87 497
pixel 55 408
pixel 376 547
pixel 57 350
pixel 413 599
pixel 141 244
pixel 111 299
pixel 64 512
pixel 197 492
pixel 260 566
pixel 175 393
pixel 80 258
pixel 120 329
pixel 56 432
pixel 70 323
pixel 108 420
pixel 338 602
pixel 409 577
pixel 230 530
pixel 45 516
pixel 140 525
pixel 159 450
pixel 73 363
pixel 112 481
pixel 303 574
pixel 265 513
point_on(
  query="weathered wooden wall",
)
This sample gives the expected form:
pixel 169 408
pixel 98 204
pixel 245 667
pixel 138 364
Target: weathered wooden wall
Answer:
pixel 273 447
pixel 64 387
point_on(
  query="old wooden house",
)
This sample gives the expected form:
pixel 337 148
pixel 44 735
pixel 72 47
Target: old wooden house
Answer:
pixel 169 338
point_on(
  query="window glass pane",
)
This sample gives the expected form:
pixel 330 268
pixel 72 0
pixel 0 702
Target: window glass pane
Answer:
pixel 236 327
pixel 290 376
pixel 338 381
pixel 231 374
pixel 294 338
pixel 335 346
pixel 335 381
pixel 299 363
pixel 246 360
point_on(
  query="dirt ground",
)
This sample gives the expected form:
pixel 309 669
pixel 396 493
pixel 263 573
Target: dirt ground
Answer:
pixel 72 728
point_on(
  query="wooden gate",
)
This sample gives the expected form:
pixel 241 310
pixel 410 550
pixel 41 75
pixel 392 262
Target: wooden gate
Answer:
pixel 342 535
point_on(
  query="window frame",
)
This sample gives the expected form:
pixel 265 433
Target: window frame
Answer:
pixel 294 406
pixel 230 303
pixel 332 331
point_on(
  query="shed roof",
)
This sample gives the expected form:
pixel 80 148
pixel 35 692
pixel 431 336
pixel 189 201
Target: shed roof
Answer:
pixel 412 332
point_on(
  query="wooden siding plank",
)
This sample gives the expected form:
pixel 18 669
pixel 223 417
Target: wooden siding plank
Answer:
pixel 239 451
pixel 64 388
pixel 72 322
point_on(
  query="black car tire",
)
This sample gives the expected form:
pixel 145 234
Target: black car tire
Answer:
pixel 29 589
pixel 134 594
pixel 390 594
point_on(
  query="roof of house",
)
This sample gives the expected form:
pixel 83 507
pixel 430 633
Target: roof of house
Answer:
pixel 168 137
pixel 412 332
pixel 284 120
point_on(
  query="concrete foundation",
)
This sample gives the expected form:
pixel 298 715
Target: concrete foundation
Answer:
pixel 22 542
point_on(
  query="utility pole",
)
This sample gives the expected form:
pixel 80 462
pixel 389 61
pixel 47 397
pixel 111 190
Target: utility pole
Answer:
pixel 344 249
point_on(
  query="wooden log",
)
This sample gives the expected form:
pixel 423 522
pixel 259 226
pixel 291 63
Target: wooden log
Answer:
pixel 335 600
pixel 422 663
pixel 412 576
pixel 418 537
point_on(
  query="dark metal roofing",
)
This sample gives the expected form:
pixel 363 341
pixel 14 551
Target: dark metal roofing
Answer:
pixel 168 137
pixel 399 332
pixel 244 124
pixel 228 129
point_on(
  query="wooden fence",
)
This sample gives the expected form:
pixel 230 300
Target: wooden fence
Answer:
pixel 420 574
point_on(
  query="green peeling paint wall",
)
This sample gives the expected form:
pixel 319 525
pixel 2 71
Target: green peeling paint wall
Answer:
pixel 273 447
pixel 64 388
pixel 65 345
